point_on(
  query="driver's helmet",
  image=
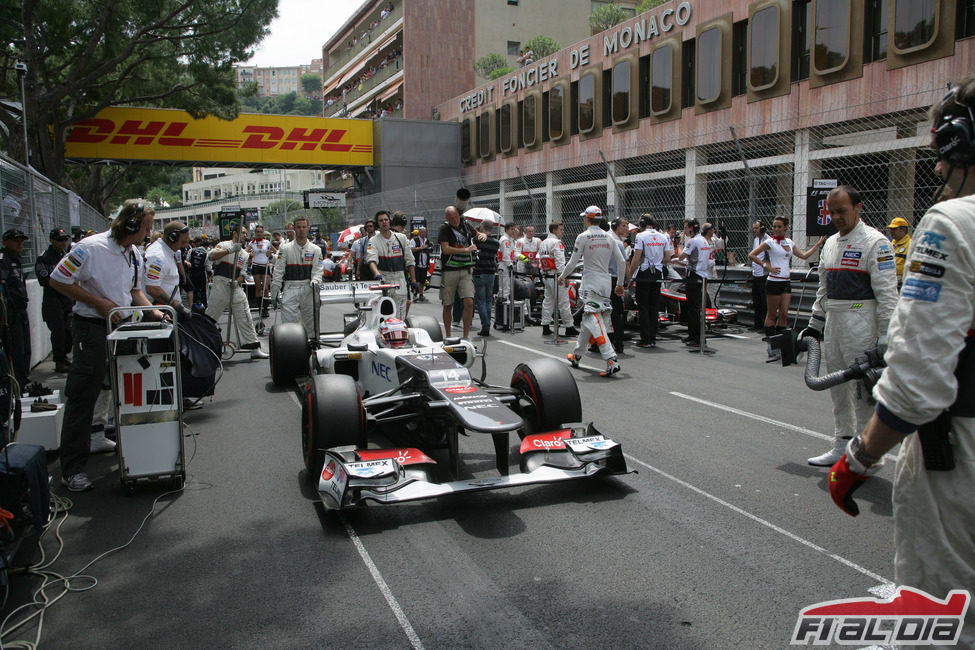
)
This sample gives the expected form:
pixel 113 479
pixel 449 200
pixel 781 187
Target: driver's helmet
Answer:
pixel 394 332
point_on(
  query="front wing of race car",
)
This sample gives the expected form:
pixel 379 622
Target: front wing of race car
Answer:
pixel 350 476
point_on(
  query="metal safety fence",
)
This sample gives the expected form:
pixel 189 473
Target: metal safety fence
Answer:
pixel 32 203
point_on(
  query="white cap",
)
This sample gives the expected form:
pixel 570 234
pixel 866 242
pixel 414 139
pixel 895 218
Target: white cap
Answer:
pixel 592 212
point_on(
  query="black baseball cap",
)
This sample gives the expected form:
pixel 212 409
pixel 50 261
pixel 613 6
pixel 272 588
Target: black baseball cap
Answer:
pixel 13 233
pixel 60 234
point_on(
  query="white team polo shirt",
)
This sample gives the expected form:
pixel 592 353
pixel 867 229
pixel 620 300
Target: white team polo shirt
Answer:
pixel 161 269
pixel 100 266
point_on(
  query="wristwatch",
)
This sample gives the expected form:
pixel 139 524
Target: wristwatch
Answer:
pixel 856 447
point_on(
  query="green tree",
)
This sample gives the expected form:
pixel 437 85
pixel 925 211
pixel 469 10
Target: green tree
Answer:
pixel 311 84
pixel 489 63
pixel 542 46
pixel 604 17
pixel 84 56
pixel 497 73
pixel 283 206
pixel 647 5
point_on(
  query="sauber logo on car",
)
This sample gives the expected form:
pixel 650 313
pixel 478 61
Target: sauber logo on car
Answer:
pixel 165 134
pixel 911 617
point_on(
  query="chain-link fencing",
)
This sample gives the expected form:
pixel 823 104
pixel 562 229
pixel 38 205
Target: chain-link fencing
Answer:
pixel 735 174
pixel 31 203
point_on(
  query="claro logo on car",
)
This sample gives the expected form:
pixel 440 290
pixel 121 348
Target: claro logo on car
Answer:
pixel 171 135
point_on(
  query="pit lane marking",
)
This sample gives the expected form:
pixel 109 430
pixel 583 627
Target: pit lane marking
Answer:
pixel 546 354
pixel 819 549
pixel 816 547
pixel 762 418
pixel 383 586
pixel 377 577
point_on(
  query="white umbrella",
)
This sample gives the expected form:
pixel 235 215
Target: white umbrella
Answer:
pixel 349 235
pixel 477 215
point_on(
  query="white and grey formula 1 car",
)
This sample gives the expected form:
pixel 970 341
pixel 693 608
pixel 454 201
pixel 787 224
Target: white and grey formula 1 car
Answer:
pixel 418 389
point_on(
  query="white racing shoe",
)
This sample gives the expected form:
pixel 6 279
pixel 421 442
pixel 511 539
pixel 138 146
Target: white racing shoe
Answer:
pixel 612 367
pixel 830 457
pixel 100 444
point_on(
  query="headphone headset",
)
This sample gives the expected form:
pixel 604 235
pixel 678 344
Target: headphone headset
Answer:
pixel 954 139
pixel 173 237
pixel 133 224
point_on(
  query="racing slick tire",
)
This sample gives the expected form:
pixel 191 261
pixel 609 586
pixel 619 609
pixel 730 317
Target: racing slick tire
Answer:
pixel 427 323
pixel 332 416
pixel 289 353
pixel 550 396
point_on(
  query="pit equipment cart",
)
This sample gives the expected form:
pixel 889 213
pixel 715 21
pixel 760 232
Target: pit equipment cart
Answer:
pixel 144 364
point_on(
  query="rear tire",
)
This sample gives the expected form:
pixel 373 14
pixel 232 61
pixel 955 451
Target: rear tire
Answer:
pixel 331 416
pixel 289 353
pixel 429 324
pixel 550 396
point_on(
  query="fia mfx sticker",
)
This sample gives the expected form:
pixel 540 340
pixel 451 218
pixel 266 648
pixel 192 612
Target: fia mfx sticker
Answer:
pixel 915 289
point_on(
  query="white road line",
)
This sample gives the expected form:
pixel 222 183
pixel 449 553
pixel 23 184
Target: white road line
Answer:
pixel 819 549
pixel 744 513
pixel 383 587
pixel 546 354
pixel 760 418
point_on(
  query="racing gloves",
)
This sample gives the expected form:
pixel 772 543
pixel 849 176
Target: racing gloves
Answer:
pixel 414 287
pixel 846 477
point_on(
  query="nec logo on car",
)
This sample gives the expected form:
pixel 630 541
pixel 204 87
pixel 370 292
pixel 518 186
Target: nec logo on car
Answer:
pixel 381 370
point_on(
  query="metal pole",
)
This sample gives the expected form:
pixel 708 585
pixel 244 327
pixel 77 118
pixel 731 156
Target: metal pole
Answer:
pixel 21 75
pixel 619 192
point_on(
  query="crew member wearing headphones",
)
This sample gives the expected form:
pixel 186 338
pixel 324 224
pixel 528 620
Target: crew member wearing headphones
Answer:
pixel 100 273
pixel 928 382
pixel 163 258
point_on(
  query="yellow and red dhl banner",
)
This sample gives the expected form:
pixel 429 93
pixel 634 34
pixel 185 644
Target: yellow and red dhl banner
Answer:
pixel 173 135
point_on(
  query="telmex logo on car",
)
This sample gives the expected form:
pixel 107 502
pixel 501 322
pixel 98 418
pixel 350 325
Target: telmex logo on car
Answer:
pixel 165 134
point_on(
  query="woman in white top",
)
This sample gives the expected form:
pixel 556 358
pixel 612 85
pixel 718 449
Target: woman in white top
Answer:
pixel 780 250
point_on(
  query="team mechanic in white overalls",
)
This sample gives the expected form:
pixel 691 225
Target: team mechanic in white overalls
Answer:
pixel 856 296
pixel 298 267
pixel 390 258
pixel 596 249
pixel 551 257
pixel 226 290
pixel 930 378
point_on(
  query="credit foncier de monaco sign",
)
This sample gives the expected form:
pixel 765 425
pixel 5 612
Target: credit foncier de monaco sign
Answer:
pixel 646 28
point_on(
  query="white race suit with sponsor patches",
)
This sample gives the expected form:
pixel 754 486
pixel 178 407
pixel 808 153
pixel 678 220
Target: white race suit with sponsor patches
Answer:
pixel 596 249
pixel 930 368
pixel 299 269
pixel 856 296
pixel 551 256
pixel 226 291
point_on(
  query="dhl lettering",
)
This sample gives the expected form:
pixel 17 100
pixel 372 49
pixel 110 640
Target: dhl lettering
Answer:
pixel 257 140
pixel 91 131
pixel 131 128
pixel 165 134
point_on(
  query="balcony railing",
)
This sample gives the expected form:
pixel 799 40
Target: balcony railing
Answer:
pixel 364 88
pixel 342 53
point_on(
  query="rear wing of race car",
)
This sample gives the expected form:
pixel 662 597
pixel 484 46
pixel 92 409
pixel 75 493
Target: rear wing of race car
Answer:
pixel 352 291
pixel 350 477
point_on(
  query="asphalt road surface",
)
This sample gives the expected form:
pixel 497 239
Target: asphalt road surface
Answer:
pixel 718 538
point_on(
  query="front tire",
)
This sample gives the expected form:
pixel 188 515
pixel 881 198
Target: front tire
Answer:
pixel 550 396
pixel 289 353
pixel 331 416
